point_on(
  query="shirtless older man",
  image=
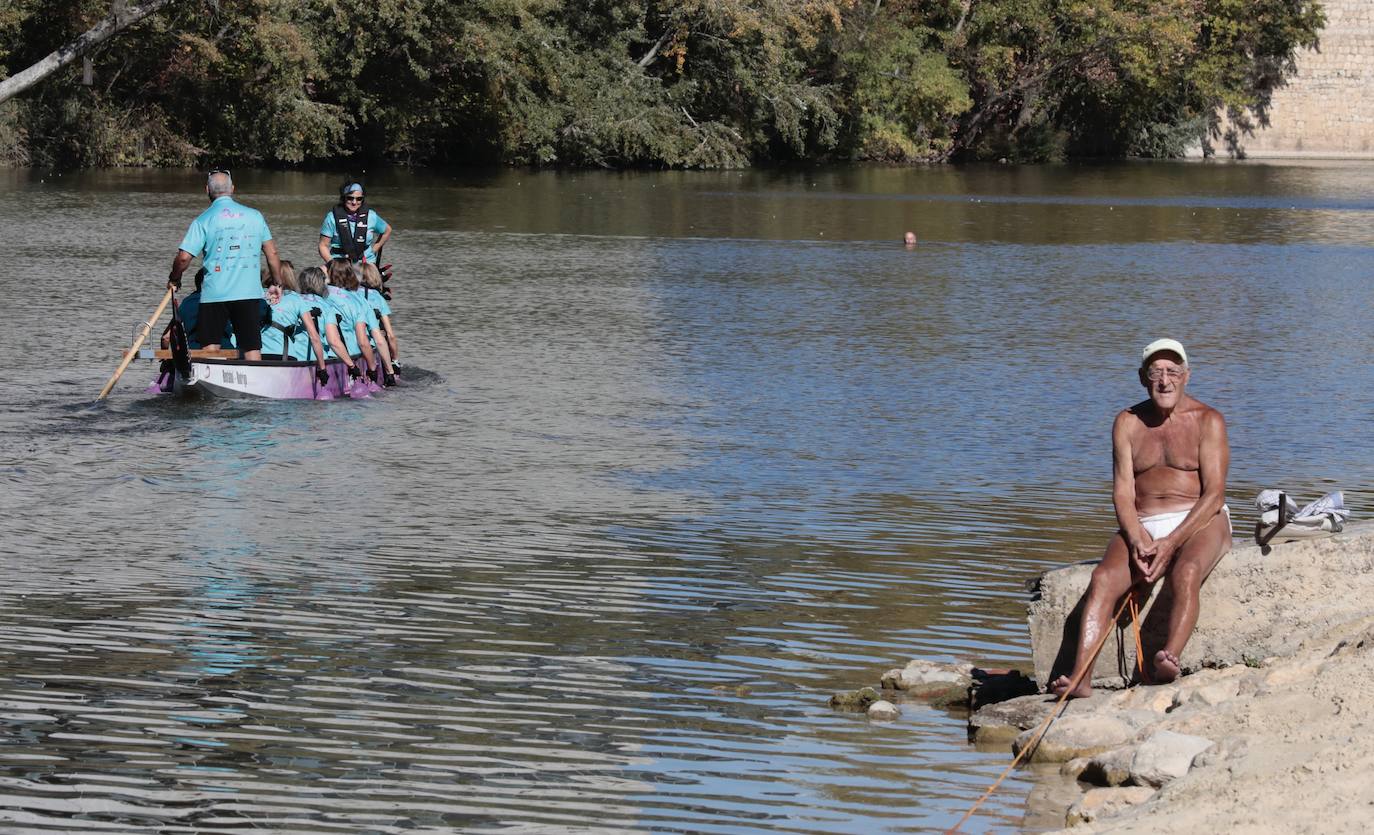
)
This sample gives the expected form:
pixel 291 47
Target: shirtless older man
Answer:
pixel 1169 460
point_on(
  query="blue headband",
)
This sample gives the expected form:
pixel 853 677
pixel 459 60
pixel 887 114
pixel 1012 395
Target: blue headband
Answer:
pixel 353 187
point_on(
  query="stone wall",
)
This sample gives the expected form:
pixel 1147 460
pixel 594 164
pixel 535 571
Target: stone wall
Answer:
pixel 1325 109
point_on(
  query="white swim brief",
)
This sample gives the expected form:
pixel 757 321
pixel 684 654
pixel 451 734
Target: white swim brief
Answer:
pixel 1162 524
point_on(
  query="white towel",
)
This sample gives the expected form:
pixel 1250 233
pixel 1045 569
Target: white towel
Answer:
pixel 1323 517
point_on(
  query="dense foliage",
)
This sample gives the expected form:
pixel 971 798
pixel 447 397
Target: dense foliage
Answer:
pixel 688 83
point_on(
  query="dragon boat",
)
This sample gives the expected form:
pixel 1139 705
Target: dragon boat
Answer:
pixel 221 373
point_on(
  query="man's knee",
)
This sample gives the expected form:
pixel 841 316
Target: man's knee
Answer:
pixel 1101 576
pixel 1107 583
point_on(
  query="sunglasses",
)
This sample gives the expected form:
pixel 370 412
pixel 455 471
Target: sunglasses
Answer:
pixel 351 199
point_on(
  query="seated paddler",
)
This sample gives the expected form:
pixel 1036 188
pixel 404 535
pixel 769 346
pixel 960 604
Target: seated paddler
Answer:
pixel 358 321
pixel 339 327
pixel 371 294
pixel 289 331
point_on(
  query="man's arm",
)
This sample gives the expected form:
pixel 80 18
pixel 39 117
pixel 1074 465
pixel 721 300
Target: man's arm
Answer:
pixel 1214 458
pixel 1138 540
pixel 179 265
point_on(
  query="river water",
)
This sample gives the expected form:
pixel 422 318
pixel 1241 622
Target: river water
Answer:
pixel 677 456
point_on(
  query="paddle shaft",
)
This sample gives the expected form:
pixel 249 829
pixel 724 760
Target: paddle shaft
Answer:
pixel 138 343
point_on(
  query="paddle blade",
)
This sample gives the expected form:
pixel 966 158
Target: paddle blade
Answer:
pixel 179 344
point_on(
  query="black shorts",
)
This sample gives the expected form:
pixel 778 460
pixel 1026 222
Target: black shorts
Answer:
pixel 244 314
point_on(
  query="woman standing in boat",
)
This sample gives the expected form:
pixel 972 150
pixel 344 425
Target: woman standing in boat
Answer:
pixel 351 230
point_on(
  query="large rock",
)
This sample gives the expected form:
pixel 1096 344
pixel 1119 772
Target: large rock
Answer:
pixel 1246 595
pixel 1110 768
pixel 1004 721
pixel 855 700
pixel 1076 736
pixel 938 683
pixel 1101 803
pixel 1165 756
pixel 883 711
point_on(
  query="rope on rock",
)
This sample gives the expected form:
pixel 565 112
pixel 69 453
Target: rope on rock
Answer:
pixel 1063 698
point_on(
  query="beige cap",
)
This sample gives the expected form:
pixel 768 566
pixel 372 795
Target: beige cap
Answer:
pixel 1163 345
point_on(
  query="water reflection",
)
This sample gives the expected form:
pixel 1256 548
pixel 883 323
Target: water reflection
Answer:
pixel 681 454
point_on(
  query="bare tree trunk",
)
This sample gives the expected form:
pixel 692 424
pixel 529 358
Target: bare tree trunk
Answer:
pixel 120 18
pixel 649 56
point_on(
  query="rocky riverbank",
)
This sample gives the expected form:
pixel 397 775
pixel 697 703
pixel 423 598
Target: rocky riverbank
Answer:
pixel 1268 730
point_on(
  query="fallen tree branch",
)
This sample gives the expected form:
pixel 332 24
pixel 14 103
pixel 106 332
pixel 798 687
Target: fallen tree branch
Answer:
pixel 652 53
pixel 119 19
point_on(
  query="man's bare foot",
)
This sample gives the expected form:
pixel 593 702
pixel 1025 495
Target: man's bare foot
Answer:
pixel 1082 691
pixel 1167 667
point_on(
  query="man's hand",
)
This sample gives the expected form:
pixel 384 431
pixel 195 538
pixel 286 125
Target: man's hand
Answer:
pixel 1142 552
pixel 1164 550
pixel 174 281
pixel 274 295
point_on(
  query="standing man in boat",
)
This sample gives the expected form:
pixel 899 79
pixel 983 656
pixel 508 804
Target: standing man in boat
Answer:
pixel 230 239
pixel 352 230
pixel 1169 461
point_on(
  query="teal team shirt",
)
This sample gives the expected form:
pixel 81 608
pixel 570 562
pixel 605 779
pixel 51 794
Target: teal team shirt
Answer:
pixel 375 300
pixel 326 317
pixel 189 313
pixel 375 227
pixel 290 312
pixel 228 238
pixel 345 312
pixel 369 317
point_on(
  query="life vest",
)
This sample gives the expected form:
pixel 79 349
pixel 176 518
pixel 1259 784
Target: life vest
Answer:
pixel 352 243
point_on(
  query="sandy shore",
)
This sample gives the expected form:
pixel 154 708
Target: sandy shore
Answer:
pixel 1293 751
pixel 1269 730
pixel 1288 735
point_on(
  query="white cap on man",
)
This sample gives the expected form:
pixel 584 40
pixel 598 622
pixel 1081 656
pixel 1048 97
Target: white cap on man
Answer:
pixel 1158 345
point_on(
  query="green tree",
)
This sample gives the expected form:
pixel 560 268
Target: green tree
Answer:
pixel 620 83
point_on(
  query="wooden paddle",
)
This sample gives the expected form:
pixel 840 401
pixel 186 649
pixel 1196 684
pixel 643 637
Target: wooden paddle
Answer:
pixel 133 352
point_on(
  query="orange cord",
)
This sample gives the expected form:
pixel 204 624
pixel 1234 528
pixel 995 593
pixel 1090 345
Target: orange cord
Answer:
pixel 1044 726
pixel 1139 648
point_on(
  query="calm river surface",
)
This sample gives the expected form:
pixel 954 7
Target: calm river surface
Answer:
pixel 678 456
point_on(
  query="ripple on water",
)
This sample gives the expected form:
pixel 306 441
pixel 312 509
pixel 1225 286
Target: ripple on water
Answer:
pixel 664 476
